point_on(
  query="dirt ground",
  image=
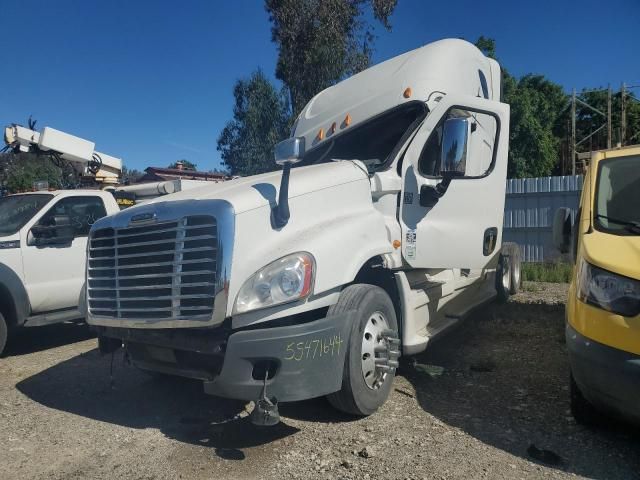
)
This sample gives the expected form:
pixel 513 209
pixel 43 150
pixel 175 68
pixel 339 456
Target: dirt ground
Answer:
pixel 471 407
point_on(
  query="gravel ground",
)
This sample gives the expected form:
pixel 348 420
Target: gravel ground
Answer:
pixel 470 407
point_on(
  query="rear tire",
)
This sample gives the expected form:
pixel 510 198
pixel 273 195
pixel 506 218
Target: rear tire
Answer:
pixel 515 259
pixel 503 278
pixel 364 386
pixel 4 333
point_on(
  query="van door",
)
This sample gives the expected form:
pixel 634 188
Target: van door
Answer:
pixel 54 270
pixel 453 188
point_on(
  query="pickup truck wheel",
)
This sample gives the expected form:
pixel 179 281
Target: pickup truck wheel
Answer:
pixel 515 260
pixel 503 278
pixel 372 353
pixel 4 333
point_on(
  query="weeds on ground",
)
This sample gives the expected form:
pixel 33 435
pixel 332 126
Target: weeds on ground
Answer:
pixel 547 272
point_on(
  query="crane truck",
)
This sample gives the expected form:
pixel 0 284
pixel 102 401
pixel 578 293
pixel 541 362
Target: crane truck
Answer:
pixel 382 231
pixel 43 234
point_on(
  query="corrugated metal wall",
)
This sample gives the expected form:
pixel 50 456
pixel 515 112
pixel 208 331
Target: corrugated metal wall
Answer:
pixel 530 206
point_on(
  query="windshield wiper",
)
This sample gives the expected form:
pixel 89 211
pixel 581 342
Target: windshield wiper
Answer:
pixel 630 226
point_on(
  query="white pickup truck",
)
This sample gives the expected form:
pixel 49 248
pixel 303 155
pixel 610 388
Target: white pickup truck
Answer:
pixel 314 280
pixel 43 242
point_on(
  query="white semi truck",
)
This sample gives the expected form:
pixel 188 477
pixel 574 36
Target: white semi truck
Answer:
pixel 314 280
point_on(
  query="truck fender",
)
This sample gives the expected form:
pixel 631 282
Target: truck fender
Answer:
pixel 14 299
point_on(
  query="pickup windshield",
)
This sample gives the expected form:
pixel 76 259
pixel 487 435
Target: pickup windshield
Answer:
pixel 16 210
pixel 618 196
pixel 373 142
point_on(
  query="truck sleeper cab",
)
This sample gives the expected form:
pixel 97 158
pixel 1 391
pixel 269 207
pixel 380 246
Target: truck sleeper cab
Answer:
pixel 603 307
pixel 383 230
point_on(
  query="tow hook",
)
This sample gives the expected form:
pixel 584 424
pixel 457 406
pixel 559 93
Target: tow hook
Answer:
pixel 265 413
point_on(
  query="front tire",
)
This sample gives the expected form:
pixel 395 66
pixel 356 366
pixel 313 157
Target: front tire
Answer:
pixel 373 350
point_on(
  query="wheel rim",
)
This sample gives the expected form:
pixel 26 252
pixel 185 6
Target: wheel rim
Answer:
pixel 374 345
pixel 506 274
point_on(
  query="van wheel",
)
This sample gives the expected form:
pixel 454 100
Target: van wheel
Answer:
pixel 583 412
pixel 4 333
pixel 503 278
pixel 515 259
pixel 373 350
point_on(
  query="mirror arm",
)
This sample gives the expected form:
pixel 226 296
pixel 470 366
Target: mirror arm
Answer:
pixel 429 195
pixel 281 210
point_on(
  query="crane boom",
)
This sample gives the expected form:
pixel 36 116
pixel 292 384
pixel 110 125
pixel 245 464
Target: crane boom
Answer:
pixel 78 152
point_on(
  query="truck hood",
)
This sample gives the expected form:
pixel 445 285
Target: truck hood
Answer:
pixel 248 193
pixel 616 253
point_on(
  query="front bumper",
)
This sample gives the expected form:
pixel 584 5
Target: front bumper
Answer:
pixel 608 378
pixel 302 361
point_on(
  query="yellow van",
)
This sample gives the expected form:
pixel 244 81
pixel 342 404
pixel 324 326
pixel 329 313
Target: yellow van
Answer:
pixel 603 308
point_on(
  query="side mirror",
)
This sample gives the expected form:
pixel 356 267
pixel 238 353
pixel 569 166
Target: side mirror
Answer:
pixel 455 137
pixel 59 233
pixel 562 229
pixel 289 151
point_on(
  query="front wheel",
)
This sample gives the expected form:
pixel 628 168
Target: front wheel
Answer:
pixel 373 350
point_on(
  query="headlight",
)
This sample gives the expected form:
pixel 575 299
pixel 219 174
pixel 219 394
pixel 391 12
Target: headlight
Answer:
pixel 285 280
pixel 609 291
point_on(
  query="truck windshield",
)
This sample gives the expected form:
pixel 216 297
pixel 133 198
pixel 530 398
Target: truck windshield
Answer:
pixel 618 196
pixel 373 141
pixel 16 210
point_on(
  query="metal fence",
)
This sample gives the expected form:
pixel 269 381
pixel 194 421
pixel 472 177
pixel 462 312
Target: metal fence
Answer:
pixel 530 206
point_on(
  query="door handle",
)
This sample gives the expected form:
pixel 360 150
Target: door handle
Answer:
pixel 490 240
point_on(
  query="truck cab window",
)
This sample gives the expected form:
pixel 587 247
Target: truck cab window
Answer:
pixel 82 212
pixel 480 144
pixel 17 210
pixel 373 142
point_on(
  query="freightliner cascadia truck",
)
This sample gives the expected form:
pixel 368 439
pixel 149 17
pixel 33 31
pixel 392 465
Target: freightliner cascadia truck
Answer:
pixel 381 231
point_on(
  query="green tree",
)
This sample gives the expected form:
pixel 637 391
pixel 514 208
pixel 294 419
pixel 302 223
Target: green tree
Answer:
pixel 320 42
pixel 536 123
pixel 534 140
pixel 261 117
pixel 487 46
pixel 186 164
pixel 19 172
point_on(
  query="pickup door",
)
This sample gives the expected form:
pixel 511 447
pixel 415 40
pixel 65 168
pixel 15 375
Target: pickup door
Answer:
pixel 459 225
pixel 55 252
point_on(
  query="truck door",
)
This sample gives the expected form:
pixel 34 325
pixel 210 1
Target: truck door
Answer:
pixel 453 191
pixel 55 253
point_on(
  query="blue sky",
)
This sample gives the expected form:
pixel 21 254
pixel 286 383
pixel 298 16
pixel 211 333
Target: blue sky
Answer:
pixel 151 81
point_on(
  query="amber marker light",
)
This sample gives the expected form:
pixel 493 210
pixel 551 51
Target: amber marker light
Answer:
pixel 321 134
pixel 396 244
pixel 347 120
pixel 407 93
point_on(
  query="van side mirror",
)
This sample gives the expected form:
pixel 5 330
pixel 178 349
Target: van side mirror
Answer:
pixel 562 229
pixel 455 138
pixel 289 151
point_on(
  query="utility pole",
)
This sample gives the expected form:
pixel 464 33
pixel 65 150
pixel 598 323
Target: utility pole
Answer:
pixel 623 115
pixel 609 117
pixel 572 143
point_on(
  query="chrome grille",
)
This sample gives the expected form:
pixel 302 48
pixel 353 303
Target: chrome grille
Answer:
pixel 158 271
